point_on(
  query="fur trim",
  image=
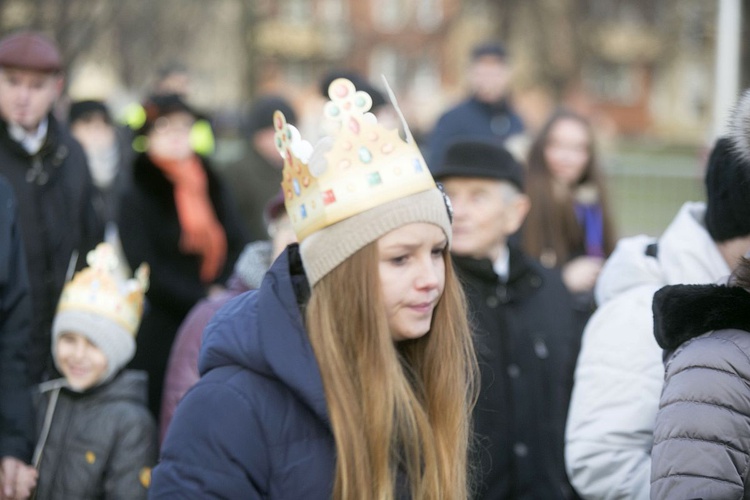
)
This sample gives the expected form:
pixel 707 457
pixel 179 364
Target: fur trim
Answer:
pixel 739 127
pixel 682 312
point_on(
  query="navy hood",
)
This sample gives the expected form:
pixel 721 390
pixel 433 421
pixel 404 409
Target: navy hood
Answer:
pixel 263 331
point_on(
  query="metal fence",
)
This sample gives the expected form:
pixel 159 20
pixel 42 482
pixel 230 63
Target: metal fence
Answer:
pixel 648 184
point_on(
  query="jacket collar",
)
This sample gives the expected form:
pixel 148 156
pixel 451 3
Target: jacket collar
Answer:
pixel 50 141
pixel 484 270
pixel 683 312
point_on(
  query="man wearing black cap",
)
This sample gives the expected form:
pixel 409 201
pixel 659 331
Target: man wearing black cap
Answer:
pixel 619 377
pixel 526 331
pixel 47 170
pixel 486 113
pixel 256 179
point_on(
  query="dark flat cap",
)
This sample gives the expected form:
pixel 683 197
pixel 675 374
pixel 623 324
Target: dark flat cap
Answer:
pixel 479 159
pixel 30 50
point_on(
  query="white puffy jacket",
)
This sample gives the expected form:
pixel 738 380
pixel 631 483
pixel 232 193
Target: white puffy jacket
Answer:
pixel 619 375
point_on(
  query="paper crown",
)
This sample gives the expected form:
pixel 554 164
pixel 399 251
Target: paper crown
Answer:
pixel 101 290
pixel 360 166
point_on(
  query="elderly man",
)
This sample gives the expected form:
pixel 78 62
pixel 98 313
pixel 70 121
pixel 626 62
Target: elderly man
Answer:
pixel 526 331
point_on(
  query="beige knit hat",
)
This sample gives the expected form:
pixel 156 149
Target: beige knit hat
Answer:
pixel 356 185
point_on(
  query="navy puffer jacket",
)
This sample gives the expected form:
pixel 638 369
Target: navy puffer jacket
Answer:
pixel 256 424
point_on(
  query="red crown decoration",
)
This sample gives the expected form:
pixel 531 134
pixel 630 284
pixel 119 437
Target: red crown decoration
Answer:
pixel 362 165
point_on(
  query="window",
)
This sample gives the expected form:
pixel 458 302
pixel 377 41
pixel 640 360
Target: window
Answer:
pixel 296 11
pixel 391 15
pixel 332 11
pixel 617 83
pixel 429 14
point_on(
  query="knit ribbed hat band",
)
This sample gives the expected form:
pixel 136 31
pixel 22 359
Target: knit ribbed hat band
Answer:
pixel 325 249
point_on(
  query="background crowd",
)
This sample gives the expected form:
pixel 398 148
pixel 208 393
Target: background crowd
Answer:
pixel 586 346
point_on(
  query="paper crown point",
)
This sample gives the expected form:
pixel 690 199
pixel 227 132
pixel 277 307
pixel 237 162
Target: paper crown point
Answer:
pixel 100 289
pixel 359 166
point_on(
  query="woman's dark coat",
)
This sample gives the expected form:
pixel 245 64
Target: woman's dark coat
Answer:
pixel 150 232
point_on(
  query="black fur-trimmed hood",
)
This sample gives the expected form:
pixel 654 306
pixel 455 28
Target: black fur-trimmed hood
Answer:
pixel 682 312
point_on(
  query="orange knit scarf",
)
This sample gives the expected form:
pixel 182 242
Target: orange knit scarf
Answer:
pixel 202 234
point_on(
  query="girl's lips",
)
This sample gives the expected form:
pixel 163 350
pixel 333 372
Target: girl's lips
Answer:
pixel 423 307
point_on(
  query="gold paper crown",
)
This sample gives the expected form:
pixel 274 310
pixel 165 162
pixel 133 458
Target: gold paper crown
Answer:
pixel 361 166
pixel 100 290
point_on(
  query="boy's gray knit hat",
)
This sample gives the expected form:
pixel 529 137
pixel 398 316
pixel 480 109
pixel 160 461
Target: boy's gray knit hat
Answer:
pixel 117 344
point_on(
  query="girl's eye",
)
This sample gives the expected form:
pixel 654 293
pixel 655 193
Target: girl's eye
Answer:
pixel 438 251
pixel 400 260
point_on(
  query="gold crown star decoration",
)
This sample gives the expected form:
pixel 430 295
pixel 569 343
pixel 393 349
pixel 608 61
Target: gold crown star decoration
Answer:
pixel 100 289
pixel 360 166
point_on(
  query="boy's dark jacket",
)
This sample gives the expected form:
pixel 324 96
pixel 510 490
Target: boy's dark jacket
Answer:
pixel 101 444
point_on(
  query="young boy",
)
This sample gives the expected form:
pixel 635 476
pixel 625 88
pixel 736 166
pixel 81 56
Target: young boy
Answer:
pixel 97 439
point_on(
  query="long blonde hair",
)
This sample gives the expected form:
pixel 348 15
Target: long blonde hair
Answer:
pixel 394 407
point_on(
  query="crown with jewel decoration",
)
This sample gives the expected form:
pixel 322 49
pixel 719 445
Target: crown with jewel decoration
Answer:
pixel 360 166
pixel 100 289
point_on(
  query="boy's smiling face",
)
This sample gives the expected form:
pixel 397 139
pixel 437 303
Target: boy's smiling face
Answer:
pixel 82 363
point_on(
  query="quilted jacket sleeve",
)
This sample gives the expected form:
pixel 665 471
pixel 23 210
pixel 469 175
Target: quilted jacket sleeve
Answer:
pixel 211 450
pixel 615 397
pixel 701 439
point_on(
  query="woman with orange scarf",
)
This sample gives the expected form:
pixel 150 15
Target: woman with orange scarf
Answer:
pixel 178 217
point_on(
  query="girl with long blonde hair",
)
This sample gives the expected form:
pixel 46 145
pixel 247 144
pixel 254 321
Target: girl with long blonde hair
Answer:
pixel 350 373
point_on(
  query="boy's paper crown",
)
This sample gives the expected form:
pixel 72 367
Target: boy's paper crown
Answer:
pixel 360 166
pixel 100 289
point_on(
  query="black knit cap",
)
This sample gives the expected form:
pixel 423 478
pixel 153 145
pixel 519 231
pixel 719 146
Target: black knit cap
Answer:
pixel 159 105
pixel 262 110
pixel 82 110
pixel 482 159
pixel 727 192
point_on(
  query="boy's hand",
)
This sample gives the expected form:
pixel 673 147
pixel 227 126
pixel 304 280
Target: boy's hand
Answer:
pixel 17 479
